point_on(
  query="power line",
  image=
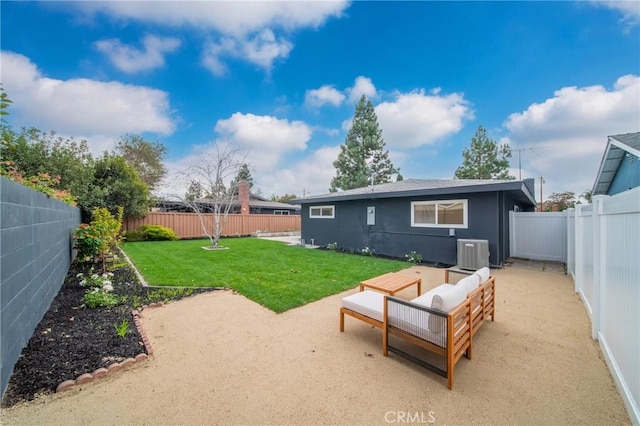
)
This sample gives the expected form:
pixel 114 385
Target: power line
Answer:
pixel 530 148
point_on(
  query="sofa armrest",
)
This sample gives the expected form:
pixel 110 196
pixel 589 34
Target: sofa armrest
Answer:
pixel 406 333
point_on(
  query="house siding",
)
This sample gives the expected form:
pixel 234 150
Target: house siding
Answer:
pixel 627 176
pixel 392 234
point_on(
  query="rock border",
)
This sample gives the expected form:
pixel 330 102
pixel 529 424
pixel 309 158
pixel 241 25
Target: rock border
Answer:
pixel 86 378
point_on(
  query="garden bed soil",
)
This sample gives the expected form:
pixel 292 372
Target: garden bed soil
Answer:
pixel 72 339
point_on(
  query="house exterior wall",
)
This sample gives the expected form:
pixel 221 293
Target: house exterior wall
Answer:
pixel 627 176
pixel 392 234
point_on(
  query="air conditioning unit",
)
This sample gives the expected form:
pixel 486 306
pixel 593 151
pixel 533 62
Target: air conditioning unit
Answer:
pixel 473 254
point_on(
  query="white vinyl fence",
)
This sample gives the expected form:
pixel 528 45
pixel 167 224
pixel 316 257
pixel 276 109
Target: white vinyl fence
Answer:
pixel 538 236
pixel 604 261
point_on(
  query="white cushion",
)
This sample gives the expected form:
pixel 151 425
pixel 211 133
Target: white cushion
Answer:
pixel 470 283
pixel 483 273
pixel 449 297
pixel 445 300
pixel 425 299
pixel 368 303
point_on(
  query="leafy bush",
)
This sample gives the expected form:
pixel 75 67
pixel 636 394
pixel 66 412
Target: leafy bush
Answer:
pixel 366 251
pixel 97 298
pixel 87 241
pixel 151 233
pixel 42 182
pixel 100 237
pixel 332 246
pixel 413 257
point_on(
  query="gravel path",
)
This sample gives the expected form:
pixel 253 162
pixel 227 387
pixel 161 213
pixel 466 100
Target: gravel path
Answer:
pixel 222 359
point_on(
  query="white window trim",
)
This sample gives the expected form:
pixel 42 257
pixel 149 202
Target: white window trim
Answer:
pixel 281 212
pixel 465 215
pixel 333 212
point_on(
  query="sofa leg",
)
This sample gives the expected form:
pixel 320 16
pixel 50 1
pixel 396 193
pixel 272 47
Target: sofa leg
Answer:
pixel 341 321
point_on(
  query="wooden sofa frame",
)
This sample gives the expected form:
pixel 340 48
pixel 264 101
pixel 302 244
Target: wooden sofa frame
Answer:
pixel 461 324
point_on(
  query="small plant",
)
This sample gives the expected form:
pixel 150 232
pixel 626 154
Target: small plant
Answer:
pixel 332 246
pixel 97 298
pixel 101 282
pixel 121 329
pixel 413 257
pixel 366 251
pixel 87 241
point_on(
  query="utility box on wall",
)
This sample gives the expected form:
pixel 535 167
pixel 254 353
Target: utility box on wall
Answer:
pixel 371 215
pixel 473 254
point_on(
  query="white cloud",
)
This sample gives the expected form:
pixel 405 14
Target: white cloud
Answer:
pixel 326 94
pixel 415 119
pixel 82 106
pixel 309 176
pixel 630 10
pixel 262 50
pixel 568 132
pixel 249 27
pixel 361 86
pixel 131 60
pixel 267 138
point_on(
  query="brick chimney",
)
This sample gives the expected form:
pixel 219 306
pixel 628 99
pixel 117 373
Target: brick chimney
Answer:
pixel 243 195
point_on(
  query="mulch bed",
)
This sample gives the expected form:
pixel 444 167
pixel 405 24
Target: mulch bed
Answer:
pixel 72 339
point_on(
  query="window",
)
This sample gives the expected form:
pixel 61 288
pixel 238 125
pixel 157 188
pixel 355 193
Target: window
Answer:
pixel 322 212
pixel 281 212
pixel 439 214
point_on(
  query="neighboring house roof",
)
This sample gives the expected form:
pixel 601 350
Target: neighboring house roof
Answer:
pixel 520 190
pixel 255 202
pixel 618 146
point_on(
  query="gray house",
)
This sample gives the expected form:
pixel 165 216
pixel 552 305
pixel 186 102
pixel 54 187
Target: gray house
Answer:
pixel 620 165
pixel 426 216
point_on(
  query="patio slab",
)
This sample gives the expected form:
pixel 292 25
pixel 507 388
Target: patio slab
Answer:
pixel 220 358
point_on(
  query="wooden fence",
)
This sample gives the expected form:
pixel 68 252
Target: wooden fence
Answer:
pixel 187 225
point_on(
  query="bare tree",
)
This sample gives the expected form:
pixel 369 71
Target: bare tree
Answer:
pixel 210 172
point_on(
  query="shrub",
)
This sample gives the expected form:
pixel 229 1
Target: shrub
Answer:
pixel 87 241
pixel 97 298
pixel 366 251
pixel 413 257
pixel 151 233
pixel 332 246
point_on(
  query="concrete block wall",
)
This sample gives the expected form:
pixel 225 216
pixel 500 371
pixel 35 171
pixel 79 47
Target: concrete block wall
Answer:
pixel 35 255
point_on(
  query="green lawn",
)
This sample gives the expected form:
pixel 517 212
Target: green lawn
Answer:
pixel 270 273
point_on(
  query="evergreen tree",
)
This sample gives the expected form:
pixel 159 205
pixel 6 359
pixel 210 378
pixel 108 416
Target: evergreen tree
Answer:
pixel 363 159
pixel 484 159
pixel 243 174
pixel 194 192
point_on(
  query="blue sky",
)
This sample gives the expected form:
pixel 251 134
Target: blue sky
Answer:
pixel 279 80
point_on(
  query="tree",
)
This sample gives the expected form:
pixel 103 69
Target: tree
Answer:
pixel 4 103
pixel 146 157
pixel 194 192
pixel 363 159
pixel 284 198
pixel 243 174
pixel 587 195
pixel 209 172
pixel 67 162
pixel 560 200
pixel 484 159
pixel 116 183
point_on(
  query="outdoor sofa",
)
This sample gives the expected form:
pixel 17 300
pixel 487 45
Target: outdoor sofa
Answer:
pixel 433 330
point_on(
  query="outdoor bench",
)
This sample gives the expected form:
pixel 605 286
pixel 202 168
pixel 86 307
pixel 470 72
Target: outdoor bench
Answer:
pixel 433 330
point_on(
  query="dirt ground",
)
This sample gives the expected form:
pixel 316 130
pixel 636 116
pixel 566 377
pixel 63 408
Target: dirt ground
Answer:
pixel 221 359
